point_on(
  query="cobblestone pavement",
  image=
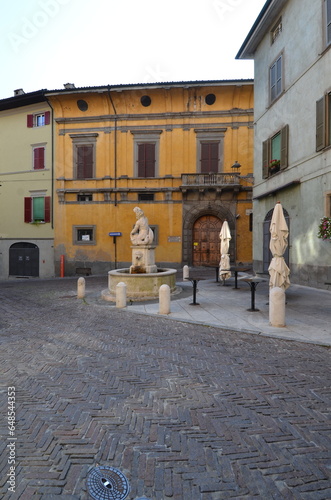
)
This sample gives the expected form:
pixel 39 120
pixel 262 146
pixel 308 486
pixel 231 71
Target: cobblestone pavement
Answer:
pixel 186 412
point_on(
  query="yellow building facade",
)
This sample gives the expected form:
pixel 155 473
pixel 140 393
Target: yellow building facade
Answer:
pixel 173 150
pixel 26 186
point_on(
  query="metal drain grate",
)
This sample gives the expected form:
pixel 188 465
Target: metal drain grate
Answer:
pixel 107 483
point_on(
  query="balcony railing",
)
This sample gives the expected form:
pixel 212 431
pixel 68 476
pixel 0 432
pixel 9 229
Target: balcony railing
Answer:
pixel 216 180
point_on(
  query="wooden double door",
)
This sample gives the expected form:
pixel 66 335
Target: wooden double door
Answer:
pixel 206 241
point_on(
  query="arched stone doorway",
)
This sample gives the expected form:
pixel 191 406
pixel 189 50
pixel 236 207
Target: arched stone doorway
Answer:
pixel 267 255
pixel 193 217
pixel 24 259
pixel 206 241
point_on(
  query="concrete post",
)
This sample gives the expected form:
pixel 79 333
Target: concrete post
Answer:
pixel 277 306
pixel 186 272
pixel 121 295
pixel 81 288
pixel 164 299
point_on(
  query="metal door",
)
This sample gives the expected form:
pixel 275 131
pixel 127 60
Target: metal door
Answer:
pixel 206 241
pixel 24 259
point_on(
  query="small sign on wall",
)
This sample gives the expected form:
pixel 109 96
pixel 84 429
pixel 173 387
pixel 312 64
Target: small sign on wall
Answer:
pixel 174 239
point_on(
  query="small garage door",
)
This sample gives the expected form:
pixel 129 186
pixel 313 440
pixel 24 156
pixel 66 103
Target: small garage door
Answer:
pixel 24 260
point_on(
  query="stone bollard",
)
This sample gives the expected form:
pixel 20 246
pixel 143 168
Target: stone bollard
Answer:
pixel 277 306
pixel 121 295
pixel 81 288
pixel 164 299
pixel 186 272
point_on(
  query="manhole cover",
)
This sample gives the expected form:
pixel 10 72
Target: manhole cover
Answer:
pixel 107 483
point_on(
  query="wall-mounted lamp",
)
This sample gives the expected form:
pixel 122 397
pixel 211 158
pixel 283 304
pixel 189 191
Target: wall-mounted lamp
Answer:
pixel 236 166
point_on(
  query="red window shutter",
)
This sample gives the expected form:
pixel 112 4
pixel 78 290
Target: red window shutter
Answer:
pixel 38 158
pixel 209 157
pixel 85 162
pixel 47 216
pixel 27 209
pixel 29 121
pixel 146 160
pixel 47 117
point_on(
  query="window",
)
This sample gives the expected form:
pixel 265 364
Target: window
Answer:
pixel 323 122
pixel 328 21
pixel 145 196
pixel 210 150
pixel 85 197
pixel 275 152
pixel 38 157
pixel 84 155
pixel 39 119
pixel 37 209
pixel 276 30
pixel 84 235
pixel 275 78
pixel 209 157
pixel 146 153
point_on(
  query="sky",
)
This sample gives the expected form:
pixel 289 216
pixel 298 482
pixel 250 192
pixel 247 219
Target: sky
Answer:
pixel 47 43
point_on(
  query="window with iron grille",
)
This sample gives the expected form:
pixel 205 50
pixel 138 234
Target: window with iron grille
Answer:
pixel 145 196
pixel 84 235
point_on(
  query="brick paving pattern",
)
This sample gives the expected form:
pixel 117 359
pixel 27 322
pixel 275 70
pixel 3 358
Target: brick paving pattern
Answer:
pixel 186 412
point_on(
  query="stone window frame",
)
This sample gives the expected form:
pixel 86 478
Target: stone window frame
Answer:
pixel 87 139
pixel 146 137
pixel 210 135
pixel 86 227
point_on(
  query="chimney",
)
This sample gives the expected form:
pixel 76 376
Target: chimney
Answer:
pixel 69 85
pixel 19 92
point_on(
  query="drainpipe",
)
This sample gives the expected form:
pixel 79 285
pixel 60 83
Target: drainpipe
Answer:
pixel 115 146
pixel 52 161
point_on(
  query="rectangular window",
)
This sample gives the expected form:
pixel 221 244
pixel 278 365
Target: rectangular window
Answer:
pixel 146 160
pixel 275 153
pixel 145 196
pixel 39 119
pixel 146 152
pixel 276 30
pixel 84 161
pixel 37 209
pixel 328 21
pixel 85 197
pixel 276 79
pixel 84 155
pixel 84 235
pixel 38 158
pixel 323 122
pixel 209 157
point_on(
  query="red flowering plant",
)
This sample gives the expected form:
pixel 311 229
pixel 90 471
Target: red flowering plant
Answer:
pixel 274 166
pixel 324 229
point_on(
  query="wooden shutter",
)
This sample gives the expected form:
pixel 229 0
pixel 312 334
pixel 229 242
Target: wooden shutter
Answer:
pixel 27 209
pixel 47 117
pixel 85 162
pixel 265 158
pixel 29 121
pixel 146 160
pixel 284 147
pixel 320 124
pixel 209 157
pixel 47 216
pixel 38 158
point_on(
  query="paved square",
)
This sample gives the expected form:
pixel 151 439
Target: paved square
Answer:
pixel 186 412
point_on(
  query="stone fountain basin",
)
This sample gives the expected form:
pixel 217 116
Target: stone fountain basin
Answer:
pixel 139 286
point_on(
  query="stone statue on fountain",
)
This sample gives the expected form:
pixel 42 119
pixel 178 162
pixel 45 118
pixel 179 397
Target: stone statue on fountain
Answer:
pixel 142 236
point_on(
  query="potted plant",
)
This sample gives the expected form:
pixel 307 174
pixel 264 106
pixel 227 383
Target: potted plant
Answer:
pixel 274 166
pixel 324 228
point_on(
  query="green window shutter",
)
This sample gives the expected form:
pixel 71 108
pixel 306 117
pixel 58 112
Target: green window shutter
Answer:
pixel 284 147
pixel 320 124
pixel 265 158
